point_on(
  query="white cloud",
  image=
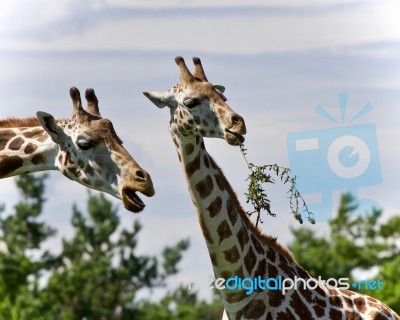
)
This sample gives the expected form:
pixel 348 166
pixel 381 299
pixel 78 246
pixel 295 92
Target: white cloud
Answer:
pixel 19 16
pixel 226 3
pixel 255 28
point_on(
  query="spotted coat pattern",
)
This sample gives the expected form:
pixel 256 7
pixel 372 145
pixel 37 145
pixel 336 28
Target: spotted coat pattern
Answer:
pixel 84 148
pixel 236 247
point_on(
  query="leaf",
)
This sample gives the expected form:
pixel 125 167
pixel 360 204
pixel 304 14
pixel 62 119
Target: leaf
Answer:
pixel 256 194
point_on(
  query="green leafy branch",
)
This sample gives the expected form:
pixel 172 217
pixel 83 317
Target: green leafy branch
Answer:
pixel 258 198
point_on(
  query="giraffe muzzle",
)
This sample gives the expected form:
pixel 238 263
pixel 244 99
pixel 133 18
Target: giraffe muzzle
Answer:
pixel 233 138
pixel 235 130
pixel 131 200
pixel 130 190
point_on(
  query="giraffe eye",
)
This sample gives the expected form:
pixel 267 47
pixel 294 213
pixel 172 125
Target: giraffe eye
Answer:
pixel 85 144
pixel 191 103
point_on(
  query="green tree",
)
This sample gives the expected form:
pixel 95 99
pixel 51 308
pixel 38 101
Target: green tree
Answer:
pixel 99 273
pixel 181 304
pixel 21 235
pixel 96 276
pixel 354 242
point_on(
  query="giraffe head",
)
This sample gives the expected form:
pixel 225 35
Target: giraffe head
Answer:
pixel 198 107
pixel 91 153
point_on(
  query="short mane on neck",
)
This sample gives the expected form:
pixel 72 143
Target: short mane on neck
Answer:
pixel 18 123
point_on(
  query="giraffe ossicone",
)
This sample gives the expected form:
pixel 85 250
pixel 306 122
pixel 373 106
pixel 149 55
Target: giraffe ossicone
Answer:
pixel 236 247
pixel 84 148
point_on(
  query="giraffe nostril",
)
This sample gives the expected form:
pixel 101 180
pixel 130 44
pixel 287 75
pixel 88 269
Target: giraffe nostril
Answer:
pixel 236 119
pixel 140 175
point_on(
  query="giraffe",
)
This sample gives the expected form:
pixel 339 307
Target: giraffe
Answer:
pixel 84 148
pixel 238 250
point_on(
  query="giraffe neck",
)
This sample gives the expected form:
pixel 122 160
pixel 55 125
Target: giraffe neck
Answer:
pixel 236 247
pixel 26 149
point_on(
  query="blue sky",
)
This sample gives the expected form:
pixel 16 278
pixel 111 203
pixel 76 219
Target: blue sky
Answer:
pixel 277 60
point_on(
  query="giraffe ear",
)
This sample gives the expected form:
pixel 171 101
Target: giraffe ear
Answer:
pixel 162 99
pixel 219 88
pixel 49 124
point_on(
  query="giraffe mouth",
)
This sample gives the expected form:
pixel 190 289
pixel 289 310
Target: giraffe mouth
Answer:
pixel 233 138
pixel 131 200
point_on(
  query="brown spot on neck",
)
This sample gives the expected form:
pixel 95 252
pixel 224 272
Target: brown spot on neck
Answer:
pixel 205 187
pixel 16 144
pixel 243 237
pixel 232 255
pixel 38 158
pixel 224 231
pixel 189 149
pixel 36 133
pixel 255 309
pixel 193 166
pixel 5 136
pixel 360 304
pixel 235 296
pixel 250 261
pixel 30 147
pixel 9 164
pixel 276 298
pixel 335 314
pixel 303 312
pixel 215 207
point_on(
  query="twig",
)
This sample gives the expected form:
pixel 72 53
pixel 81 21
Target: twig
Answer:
pixel 258 198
